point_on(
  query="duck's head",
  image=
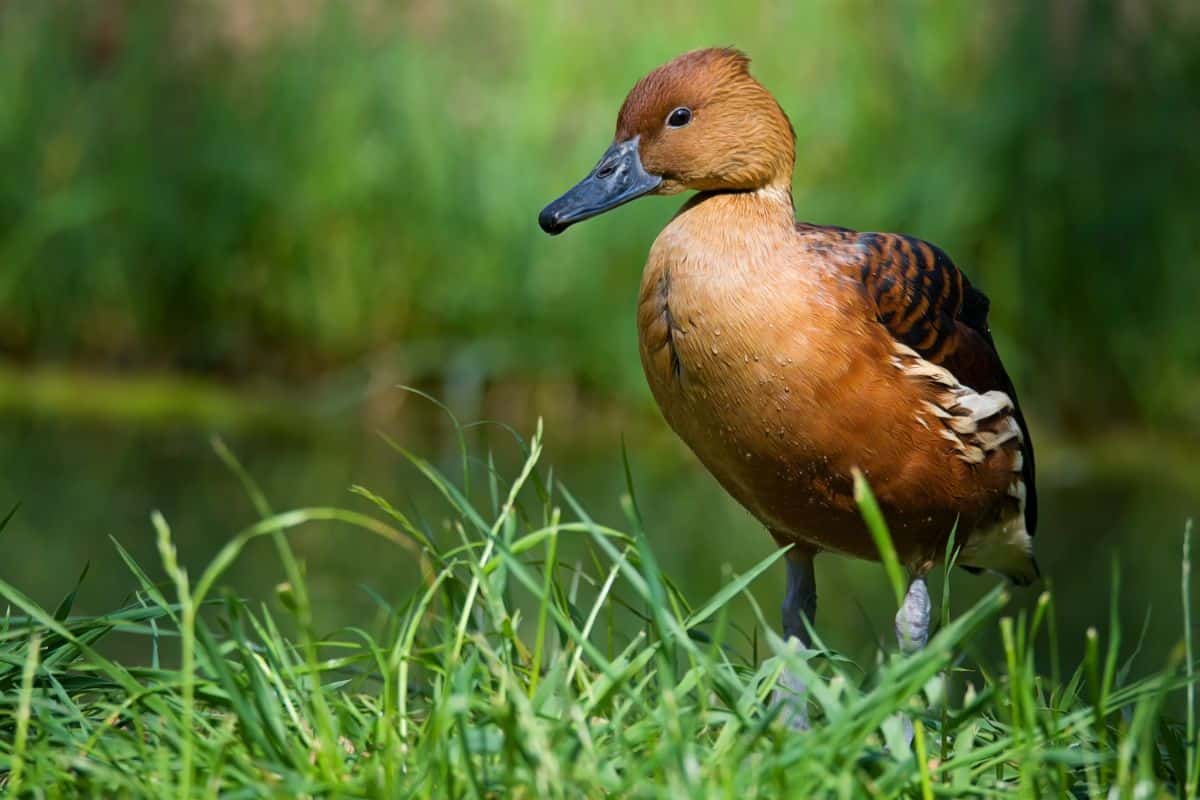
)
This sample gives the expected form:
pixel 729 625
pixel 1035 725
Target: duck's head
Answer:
pixel 698 122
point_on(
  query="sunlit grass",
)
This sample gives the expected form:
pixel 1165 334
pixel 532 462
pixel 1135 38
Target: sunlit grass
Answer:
pixel 147 397
pixel 510 672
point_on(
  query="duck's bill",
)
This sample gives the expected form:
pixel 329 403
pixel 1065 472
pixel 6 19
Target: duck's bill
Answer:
pixel 617 179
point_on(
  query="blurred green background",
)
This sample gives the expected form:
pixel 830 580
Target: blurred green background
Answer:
pixel 257 219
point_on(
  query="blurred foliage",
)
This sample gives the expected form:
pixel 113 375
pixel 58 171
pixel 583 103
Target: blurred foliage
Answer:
pixel 281 188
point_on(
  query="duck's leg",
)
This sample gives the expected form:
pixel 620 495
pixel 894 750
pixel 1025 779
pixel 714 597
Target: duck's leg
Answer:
pixel 800 598
pixel 799 605
pixel 912 620
pixel 912 628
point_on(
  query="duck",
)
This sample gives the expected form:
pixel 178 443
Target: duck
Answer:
pixel 791 356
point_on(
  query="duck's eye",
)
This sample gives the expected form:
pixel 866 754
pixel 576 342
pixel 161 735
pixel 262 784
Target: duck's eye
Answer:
pixel 679 117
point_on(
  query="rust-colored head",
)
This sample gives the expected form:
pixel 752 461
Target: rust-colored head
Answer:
pixel 698 122
pixel 737 136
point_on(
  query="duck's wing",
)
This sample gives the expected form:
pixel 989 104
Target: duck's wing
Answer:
pixel 927 304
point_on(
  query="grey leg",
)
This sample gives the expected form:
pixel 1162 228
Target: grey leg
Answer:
pixel 912 628
pixel 799 604
pixel 800 598
pixel 912 620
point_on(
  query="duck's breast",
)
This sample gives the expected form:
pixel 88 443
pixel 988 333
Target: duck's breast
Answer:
pixel 738 353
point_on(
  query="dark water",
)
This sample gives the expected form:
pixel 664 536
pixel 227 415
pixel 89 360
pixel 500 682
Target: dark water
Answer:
pixel 81 482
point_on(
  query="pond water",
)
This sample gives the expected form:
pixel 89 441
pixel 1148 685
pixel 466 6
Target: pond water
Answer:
pixel 80 482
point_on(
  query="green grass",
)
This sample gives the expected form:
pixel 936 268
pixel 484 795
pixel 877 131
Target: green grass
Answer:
pixel 512 671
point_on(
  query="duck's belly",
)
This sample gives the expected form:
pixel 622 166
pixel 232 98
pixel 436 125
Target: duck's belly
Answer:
pixel 780 410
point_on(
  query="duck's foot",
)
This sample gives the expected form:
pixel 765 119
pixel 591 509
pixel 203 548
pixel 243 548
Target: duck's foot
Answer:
pixel 906 725
pixel 792 696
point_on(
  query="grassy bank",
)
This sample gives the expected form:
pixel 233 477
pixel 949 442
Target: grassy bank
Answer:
pixel 515 671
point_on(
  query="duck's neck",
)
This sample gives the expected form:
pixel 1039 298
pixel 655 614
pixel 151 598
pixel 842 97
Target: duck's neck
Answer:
pixel 728 230
pixel 768 207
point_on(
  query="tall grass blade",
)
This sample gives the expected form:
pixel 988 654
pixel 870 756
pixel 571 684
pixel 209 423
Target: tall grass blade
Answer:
pixel 873 517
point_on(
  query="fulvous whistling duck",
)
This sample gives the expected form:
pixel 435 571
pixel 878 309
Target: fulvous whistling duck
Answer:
pixel 787 354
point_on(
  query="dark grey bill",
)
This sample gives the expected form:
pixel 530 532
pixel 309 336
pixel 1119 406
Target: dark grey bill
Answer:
pixel 618 178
